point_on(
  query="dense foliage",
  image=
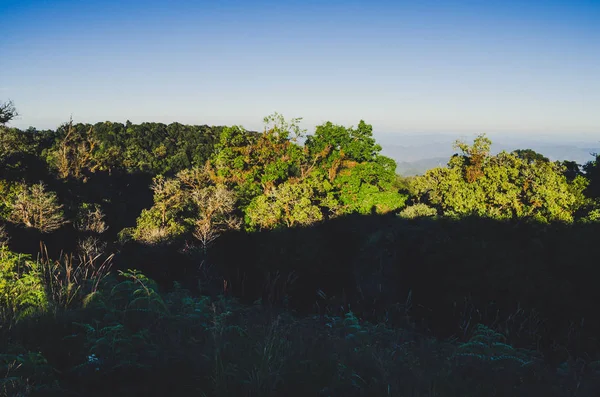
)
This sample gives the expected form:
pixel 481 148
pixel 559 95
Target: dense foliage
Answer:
pixel 505 186
pixel 218 261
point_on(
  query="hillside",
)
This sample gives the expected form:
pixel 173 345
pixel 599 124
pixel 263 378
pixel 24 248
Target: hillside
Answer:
pixel 169 259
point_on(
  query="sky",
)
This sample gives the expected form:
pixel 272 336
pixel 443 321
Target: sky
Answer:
pixel 501 67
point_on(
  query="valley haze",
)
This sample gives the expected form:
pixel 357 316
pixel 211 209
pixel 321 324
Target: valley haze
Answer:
pixel 415 153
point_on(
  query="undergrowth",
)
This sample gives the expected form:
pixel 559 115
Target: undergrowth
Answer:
pixel 71 332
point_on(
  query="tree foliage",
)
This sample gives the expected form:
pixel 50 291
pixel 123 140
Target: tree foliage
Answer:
pixel 7 112
pixel 592 173
pixel 74 151
pixel 280 182
pixel 190 201
pixel 503 186
pixel 77 150
pixel 290 204
pixel 90 218
pixel 22 291
pixel 37 208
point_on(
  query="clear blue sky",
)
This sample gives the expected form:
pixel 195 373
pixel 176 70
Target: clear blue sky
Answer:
pixel 459 67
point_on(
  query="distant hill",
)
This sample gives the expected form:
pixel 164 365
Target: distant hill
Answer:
pixel 418 167
pixel 416 153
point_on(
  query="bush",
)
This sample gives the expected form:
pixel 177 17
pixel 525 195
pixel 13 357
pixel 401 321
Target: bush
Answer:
pixel 22 290
pixel 417 211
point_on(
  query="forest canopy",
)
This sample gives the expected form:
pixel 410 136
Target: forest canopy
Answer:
pixel 221 178
pixel 521 184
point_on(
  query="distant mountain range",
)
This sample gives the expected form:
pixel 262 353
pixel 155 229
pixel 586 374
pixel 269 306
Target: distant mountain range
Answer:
pixel 418 167
pixel 416 153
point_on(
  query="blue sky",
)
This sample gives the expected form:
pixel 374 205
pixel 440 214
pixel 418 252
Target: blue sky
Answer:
pixel 403 66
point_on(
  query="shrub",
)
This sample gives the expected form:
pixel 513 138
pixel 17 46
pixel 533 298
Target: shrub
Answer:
pixel 417 211
pixel 22 290
pixel 90 218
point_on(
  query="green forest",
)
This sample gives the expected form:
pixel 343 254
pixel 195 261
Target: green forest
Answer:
pixel 192 260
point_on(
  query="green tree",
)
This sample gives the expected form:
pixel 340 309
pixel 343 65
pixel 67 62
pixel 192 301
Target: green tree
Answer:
pixel 191 201
pixel 254 163
pixel 369 187
pixel 592 172
pixel 335 144
pixel 74 150
pixel 37 208
pixel 160 222
pixel 11 140
pixel 530 156
pixel 501 187
pixel 361 179
pixel 474 156
pixel 289 204
pixel 211 206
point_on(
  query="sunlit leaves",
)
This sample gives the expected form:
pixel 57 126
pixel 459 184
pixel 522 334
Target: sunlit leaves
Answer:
pixel 36 207
pixel 504 186
pixel 22 290
pixel 290 204
pixel 191 201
